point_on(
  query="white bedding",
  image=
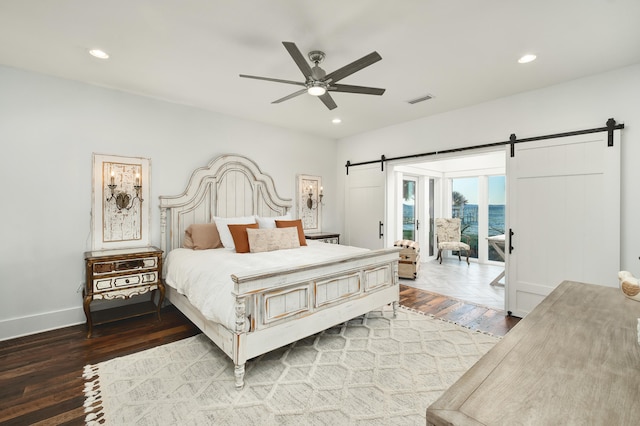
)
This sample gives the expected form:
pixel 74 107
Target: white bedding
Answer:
pixel 204 276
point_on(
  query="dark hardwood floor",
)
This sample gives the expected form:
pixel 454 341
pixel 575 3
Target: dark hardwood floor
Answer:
pixel 41 375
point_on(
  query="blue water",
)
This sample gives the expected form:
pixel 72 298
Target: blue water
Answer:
pixel 470 219
pixel 496 219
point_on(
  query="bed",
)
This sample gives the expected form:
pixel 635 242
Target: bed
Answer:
pixel 274 304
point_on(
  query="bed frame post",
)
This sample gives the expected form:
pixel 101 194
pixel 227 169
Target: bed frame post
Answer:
pixel 163 230
pixel 239 358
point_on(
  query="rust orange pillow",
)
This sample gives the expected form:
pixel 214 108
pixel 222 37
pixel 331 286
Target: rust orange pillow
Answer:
pixel 293 224
pixel 240 237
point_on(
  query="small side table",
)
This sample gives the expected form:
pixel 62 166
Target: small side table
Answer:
pixel 497 242
pixel 325 237
pixel 122 274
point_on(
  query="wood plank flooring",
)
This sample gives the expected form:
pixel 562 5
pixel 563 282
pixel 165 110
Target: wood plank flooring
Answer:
pixel 41 375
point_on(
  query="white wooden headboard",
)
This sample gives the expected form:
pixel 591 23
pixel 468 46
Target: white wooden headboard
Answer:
pixel 229 186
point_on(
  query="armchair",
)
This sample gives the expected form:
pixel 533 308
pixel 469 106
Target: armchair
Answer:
pixel 449 236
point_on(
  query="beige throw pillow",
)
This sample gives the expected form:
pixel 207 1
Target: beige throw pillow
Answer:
pixel 202 236
pixel 261 240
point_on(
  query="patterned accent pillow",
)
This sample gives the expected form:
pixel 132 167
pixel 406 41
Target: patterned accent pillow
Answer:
pixel 261 240
pixel 295 224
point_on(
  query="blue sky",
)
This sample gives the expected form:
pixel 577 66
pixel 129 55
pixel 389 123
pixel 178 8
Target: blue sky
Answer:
pixel 469 188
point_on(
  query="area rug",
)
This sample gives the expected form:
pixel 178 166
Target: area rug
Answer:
pixel 372 370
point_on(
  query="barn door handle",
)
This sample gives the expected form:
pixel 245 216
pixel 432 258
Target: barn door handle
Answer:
pixel 417 225
pixel 510 235
pixel 380 233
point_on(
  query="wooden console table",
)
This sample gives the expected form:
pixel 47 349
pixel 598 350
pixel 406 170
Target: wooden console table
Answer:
pixel 574 360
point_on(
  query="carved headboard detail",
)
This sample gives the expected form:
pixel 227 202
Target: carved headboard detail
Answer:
pixel 229 186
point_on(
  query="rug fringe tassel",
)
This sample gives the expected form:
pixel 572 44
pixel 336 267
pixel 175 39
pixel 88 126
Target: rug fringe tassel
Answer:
pixel 93 398
pixel 415 311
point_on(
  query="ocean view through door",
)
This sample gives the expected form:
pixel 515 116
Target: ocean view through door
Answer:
pixel 479 181
pixel 479 202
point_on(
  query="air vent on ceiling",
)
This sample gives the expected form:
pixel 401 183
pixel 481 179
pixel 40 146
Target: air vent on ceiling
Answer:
pixel 420 99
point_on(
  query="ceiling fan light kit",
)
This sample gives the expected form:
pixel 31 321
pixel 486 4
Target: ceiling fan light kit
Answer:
pixel 316 88
pixel 317 82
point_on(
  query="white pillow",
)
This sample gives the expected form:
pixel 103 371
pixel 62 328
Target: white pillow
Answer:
pixel 223 229
pixel 270 222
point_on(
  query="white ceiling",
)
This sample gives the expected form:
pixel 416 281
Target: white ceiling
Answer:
pixel 191 51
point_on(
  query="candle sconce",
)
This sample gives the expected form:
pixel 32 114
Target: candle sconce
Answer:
pixel 311 203
pixel 121 198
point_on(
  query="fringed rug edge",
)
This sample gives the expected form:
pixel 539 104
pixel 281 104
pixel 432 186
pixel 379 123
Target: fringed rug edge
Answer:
pixel 93 398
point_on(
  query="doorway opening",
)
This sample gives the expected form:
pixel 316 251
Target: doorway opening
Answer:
pixel 472 188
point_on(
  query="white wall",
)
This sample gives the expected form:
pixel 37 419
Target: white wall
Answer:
pixel 50 127
pixel 579 104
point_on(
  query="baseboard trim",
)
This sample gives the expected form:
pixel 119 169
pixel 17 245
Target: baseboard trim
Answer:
pixel 23 326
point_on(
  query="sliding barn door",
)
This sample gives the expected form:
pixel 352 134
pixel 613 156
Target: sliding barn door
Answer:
pixel 364 207
pixel 564 211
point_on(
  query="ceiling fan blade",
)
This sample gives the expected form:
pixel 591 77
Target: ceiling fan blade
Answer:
pixel 328 101
pixel 347 88
pixel 299 58
pixel 354 66
pixel 293 95
pixel 277 80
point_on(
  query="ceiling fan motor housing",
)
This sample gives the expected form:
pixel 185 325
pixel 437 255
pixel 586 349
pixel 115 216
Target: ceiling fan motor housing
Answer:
pixel 316 56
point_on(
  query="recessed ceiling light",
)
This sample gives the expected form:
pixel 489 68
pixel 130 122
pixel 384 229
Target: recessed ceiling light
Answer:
pixel 336 121
pixel 527 58
pixel 101 54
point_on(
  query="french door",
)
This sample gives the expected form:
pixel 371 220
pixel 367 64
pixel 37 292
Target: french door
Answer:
pixel 564 212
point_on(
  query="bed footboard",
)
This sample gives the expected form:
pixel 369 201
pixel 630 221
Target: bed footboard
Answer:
pixel 286 305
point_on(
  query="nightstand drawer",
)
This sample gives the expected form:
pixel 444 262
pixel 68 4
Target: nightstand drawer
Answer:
pixel 116 283
pixel 101 268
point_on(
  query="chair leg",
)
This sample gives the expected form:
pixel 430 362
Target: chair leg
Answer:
pixel 468 257
pixel 459 258
pixel 439 255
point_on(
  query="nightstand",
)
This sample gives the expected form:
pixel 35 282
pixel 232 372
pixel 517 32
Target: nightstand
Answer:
pixel 325 237
pixel 122 274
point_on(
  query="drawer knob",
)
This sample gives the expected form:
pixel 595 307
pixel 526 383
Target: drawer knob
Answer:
pixel 127 281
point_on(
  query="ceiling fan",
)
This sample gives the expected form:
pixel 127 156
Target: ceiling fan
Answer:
pixel 318 82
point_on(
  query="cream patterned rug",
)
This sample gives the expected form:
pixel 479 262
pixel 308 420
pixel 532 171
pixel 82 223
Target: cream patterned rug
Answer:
pixel 372 370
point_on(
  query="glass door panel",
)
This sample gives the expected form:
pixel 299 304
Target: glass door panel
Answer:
pixel 432 225
pixel 409 213
pixel 465 206
pixel 496 212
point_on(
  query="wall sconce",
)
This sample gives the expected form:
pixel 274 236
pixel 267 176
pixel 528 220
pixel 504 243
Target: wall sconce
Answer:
pixel 121 198
pixel 311 205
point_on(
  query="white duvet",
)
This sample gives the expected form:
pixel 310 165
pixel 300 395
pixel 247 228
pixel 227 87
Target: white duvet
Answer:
pixel 204 276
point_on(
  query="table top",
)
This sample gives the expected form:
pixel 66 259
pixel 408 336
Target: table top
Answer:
pixel 575 359
pixel 122 251
pixel 319 235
